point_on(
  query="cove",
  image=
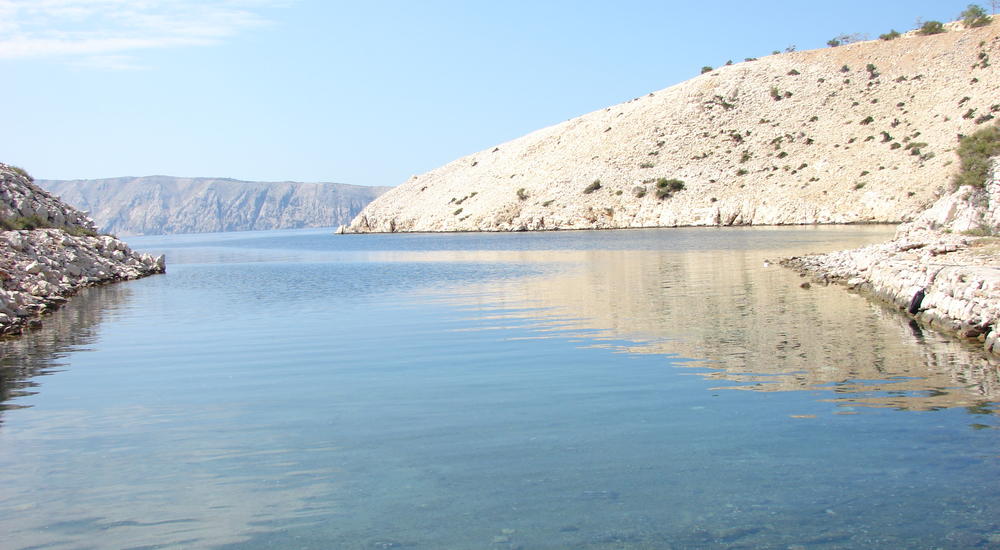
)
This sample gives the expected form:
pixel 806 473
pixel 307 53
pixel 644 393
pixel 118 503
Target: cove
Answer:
pixel 666 388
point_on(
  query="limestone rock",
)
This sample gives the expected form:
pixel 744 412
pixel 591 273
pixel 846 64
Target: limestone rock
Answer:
pixel 793 138
pixel 41 268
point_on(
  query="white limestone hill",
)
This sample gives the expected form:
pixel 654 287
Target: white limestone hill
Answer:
pixel 859 133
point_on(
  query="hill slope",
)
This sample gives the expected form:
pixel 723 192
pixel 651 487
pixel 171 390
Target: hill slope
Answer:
pixel 163 204
pixel 858 133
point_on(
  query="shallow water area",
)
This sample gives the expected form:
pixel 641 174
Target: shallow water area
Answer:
pixel 617 389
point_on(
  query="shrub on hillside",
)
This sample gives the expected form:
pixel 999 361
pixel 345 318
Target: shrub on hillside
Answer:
pixel 931 27
pixel 976 151
pixel 592 187
pixel 706 69
pixel 974 16
pixel 891 35
pixel 667 187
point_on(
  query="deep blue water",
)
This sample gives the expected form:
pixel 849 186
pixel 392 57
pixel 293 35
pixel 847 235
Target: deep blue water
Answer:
pixel 587 390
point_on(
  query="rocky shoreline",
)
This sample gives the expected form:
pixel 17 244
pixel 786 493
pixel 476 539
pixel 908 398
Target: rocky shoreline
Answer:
pixel 40 268
pixel 936 270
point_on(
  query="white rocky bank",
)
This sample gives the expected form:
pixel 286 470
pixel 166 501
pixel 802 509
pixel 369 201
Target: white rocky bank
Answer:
pixel 41 268
pixel 934 269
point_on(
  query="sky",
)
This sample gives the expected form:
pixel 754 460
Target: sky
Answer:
pixel 367 92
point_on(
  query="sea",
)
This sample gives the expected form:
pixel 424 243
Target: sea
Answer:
pixel 632 389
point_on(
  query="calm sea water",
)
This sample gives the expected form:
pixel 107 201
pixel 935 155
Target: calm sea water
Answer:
pixel 658 389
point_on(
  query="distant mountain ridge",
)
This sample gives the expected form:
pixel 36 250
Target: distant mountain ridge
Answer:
pixel 164 204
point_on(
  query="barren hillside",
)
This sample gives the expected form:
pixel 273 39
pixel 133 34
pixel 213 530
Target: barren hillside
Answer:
pixel 859 133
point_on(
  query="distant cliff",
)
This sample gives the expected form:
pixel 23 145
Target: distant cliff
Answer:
pixel 164 204
pixel 864 132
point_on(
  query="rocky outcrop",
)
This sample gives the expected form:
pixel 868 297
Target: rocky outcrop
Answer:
pixel 857 133
pixel 163 204
pixel 938 269
pixel 41 268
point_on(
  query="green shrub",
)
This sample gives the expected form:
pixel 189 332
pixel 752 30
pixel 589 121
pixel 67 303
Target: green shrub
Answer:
pixel 867 120
pixel 742 172
pixel 457 212
pixel 859 185
pixel 522 194
pixel 645 165
pixel 23 222
pixel 667 187
pixel 891 35
pixel 706 69
pixel 974 16
pixel 592 187
pixel 639 191
pixel 845 69
pixel 548 202
pixel 931 27
pixel 793 72
pixel 975 152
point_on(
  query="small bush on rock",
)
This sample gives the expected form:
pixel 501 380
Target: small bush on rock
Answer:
pixel 931 27
pixel 975 152
pixel 974 16
pixel 592 187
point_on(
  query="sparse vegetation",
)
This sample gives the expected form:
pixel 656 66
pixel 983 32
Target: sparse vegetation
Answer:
pixel 706 69
pixel 548 203
pixel 975 152
pixel 931 27
pixel 522 194
pixel 974 16
pixel 21 172
pixel 645 165
pixel 667 187
pixel 639 191
pixel 891 35
pixel 457 212
pixel 867 120
pixel 592 187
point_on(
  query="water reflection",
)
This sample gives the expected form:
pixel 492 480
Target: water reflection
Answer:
pixel 39 351
pixel 750 322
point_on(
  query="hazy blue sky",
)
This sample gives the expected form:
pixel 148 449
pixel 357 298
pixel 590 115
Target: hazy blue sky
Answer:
pixel 358 92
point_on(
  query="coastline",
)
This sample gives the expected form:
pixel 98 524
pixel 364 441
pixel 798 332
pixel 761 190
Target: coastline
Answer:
pixel 49 251
pixel 939 270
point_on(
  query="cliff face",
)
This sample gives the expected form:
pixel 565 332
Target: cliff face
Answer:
pixel 858 133
pixel 163 204
pixel 41 268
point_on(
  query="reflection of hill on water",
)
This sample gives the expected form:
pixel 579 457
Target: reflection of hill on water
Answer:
pixel 753 324
pixel 38 351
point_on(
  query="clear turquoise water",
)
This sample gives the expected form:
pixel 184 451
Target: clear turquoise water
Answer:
pixel 587 390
